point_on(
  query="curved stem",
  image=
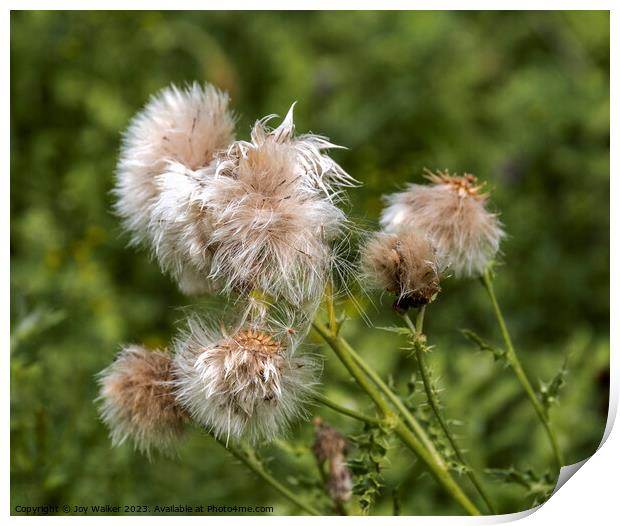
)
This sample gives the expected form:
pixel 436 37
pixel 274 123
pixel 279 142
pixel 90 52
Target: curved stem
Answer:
pixel 345 410
pixel 255 465
pixel 513 360
pixel 400 406
pixel 340 347
pixel 417 334
pixel 439 470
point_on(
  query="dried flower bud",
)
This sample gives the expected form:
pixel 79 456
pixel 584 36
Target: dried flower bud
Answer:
pixel 340 484
pixel 452 212
pixel 330 447
pixel 138 401
pixel 405 264
pixel 244 385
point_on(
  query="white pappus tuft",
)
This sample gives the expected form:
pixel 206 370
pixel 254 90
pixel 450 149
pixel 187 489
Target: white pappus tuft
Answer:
pixel 452 212
pixel 137 400
pixel 272 206
pixel 167 155
pixel 248 383
pixel 232 216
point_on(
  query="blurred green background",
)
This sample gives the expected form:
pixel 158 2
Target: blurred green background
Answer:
pixel 520 99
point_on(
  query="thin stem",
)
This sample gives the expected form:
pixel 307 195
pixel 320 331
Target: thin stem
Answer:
pixel 439 470
pixel 340 347
pixel 345 410
pixel 254 464
pixel 417 335
pixel 513 360
pixel 331 311
pixel 400 406
pixel 387 392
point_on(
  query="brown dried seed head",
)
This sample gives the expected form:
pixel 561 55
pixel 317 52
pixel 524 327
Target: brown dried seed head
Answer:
pixel 247 383
pixel 139 401
pixel 253 355
pixel 273 201
pixel 405 264
pixel 452 212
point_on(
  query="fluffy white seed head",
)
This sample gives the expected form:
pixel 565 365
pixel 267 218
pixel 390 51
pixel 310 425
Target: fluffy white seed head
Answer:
pixel 273 211
pixel 247 384
pixel 403 263
pixel 311 164
pixel 137 400
pixel 219 214
pixel 452 212
pixel 166 157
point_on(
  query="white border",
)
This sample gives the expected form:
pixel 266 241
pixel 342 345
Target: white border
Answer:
pixel 588 496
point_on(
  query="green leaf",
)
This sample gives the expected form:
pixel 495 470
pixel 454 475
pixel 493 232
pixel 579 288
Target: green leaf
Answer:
pixel 498 353
pixel 367 468
pixel 340 320
pixel 538 487
pixel 403 331
pixel 35 323
pixel 458 467
pixel 549 391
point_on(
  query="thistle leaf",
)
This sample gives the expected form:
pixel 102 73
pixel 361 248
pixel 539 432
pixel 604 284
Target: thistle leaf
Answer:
pixel 35 323
pixel 549 391
pixel 498 353
pixel 403 331
pixel 373 446
pixel 538 487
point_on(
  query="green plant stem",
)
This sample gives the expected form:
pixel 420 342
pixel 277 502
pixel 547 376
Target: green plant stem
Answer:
pixel 417 335
pixel 515 364
pixel 255 465
pixel 399 405
pixel 345 410
pixel 331 311
pixel 439 470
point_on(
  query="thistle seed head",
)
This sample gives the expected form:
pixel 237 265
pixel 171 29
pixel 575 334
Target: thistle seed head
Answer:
pixel 452 212
pixel 272 204
pixel 244 384
pixel 166 158
pixel 137 400
pixel 232 216
pixel 405 264
pixel 311 164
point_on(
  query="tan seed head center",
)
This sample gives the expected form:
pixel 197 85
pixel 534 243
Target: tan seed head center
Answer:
pixel 257 341
pixel 464 185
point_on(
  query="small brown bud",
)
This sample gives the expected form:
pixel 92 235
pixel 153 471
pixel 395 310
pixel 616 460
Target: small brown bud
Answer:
pixel 403 263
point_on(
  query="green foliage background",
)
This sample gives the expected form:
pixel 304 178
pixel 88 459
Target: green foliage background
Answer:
pixel 520 99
